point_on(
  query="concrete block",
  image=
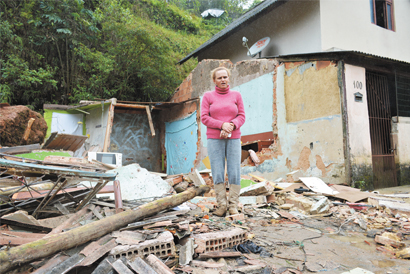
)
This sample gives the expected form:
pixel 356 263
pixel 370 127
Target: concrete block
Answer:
pixel 217 241
pixel 316 208
pixel 186 252
pixel 252 200
pixel 162 247
pixel 262 188
pixel 236 217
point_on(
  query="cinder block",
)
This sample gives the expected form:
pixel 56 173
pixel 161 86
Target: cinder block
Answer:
pixel 162 247
pixel 236 217
pixel 217 241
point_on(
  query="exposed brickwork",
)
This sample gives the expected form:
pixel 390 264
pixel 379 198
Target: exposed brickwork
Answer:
pixel 162 247
pixel 217 241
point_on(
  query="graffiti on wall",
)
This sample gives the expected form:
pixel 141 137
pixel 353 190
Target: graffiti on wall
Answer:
pixel 131 136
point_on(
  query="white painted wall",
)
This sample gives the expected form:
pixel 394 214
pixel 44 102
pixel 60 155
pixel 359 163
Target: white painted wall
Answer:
pixel 346 24
pixel 293 27
pixel 96 125
pixel 403 146
pixel 358 116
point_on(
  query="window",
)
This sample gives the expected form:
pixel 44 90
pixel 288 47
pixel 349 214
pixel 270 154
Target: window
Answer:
pixel 381 13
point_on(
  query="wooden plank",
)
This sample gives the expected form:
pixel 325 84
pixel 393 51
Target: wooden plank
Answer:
pixel 158 265
pixel 121 268
pixel 52 244
pixel 151 125
pixel 97 213
pixel 141 267
pixel 98 253
pixel 28 129
pixel 19 234
pixel 219 254
pixel 207 264
pixel 147 222
pixel 64 142
pixel 159 224
pixel 61 208
pixel 108 130
pixel 19 149
pixel 101 203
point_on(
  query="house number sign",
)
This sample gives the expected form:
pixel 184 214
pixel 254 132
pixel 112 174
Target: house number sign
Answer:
pixel 357 84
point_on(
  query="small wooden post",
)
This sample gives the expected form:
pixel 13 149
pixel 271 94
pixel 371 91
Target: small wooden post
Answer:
pixel 28 129
pixel 151 125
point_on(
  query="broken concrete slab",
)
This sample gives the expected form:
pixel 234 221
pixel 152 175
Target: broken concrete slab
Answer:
pixel 186 252
pixel 139 183
pixel 262 188
pixel 252 200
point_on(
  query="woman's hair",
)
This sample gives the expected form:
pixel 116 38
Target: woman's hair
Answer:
pixel 213 72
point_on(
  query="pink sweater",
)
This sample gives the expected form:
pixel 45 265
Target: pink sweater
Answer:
pixel 220 106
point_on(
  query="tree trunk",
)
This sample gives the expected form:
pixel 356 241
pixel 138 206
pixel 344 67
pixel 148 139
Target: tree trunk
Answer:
pixel 42 248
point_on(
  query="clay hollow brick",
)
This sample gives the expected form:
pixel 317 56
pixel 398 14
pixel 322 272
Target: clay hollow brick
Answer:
pixel 162 247
pixel 217 241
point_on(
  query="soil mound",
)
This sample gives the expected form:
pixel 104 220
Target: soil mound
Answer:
pixel 13 124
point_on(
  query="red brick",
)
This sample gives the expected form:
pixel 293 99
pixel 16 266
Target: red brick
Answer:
pixel 236 217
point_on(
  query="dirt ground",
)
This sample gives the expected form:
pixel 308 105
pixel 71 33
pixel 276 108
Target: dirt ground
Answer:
pixel 322 244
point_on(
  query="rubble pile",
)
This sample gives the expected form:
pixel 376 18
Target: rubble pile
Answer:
pixel 58 215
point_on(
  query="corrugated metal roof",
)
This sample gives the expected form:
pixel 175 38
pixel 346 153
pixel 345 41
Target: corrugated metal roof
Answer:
pixel 247 18
pixel 341 54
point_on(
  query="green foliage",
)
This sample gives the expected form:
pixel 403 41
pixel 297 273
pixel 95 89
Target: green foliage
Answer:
pixel 63 51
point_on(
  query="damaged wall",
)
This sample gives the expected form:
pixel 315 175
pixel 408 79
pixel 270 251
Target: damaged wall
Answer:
pixel 309 121
pixel 96 125
pixel 359 143
pixel 131 136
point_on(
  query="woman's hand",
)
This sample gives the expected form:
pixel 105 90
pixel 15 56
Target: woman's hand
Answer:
pixel 224 134
pixel 228 127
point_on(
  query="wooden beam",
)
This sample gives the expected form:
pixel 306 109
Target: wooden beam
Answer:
pixel 109 128
pixel 28 129
pixel 151 125
pixel 52 244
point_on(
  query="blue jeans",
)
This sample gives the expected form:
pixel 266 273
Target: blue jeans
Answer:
pixel 218 151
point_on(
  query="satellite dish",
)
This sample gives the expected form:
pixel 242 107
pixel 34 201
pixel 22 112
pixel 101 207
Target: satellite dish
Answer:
pixel 258 47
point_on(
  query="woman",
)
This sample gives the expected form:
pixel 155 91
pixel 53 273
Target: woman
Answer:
pixel 223 113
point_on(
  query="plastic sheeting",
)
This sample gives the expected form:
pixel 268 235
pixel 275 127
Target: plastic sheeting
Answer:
pixel 180 143
pixel 212 13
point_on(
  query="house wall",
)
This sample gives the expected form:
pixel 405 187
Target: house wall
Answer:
pixel 299 102
pixel 309 122
pixel 355 31
pixel 403 149
pixel 358 125
pixel 96 125
pixel 293 27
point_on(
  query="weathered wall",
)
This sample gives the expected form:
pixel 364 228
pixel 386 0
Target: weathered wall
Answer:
pixel 355 31
pixel 96 125
pixel 360 149
pixel 244 77
pixel 131 136
pixel 403 149
pixel 299 102
pixel 309 122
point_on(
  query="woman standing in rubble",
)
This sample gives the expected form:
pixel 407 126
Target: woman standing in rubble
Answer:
pixel 223 113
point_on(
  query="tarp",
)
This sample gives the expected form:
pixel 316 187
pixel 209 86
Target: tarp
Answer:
pixel 212 13
pixel 180 143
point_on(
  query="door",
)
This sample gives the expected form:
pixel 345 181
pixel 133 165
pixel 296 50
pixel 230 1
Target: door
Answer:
pixel 378 101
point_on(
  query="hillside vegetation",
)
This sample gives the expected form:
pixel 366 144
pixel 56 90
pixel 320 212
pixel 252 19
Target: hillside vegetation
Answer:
pixel 63 51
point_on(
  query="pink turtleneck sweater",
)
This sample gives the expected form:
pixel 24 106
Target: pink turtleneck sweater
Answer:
pixel 220 106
